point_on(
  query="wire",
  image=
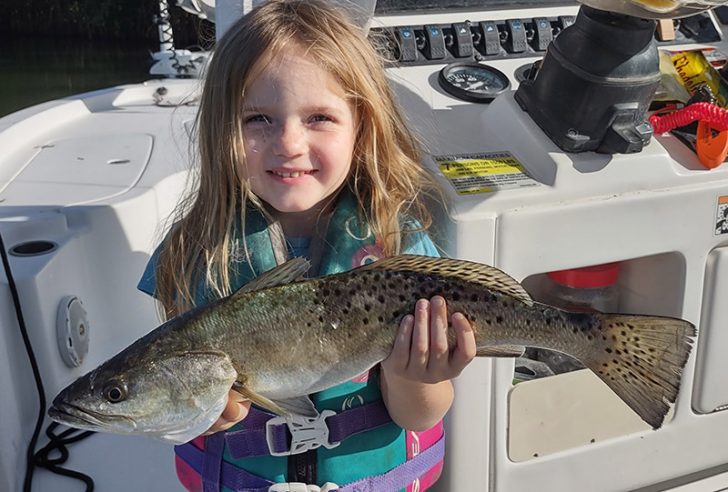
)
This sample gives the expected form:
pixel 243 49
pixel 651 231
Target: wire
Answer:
pixel 30 462
pixel 31 458
pixel 58 442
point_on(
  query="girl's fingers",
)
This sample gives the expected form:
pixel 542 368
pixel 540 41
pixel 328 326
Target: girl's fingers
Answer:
pixel 236 409
pixel 439 350
pixel 420 350
pixel 465 349
pixel 399 357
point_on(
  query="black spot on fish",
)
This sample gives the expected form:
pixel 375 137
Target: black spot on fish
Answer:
pixel 367 307
pixel 499 319
pixel 455 296
pixel 321 319
pixel 365 321
pixel 608 350
pixel 377 277
pixel 345 311
pixel 474 298
pixel 326 292
pixel 381 319
pixel 381 299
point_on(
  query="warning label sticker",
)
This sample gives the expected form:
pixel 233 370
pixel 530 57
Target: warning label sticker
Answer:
pixel 484 173
pixel 721 216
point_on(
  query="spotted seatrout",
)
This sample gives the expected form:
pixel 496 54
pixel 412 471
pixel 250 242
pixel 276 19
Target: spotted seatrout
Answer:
pixel 281 338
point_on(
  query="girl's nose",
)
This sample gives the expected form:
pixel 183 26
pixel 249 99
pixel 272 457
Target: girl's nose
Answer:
pixel 291 139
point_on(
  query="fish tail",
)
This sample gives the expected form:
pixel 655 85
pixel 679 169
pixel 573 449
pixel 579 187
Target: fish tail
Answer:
pixel 642 359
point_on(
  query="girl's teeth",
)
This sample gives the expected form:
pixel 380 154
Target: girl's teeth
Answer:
pixel 290 175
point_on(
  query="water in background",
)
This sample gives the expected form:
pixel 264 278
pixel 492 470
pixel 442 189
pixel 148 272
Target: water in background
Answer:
pixel 35 70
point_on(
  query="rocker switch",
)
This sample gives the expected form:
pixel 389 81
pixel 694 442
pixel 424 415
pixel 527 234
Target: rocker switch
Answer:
pixel 491 38
pixel 542 33
pixel 435 46
pixel 516 36
pixel 566 20
pixel 407 44
pixel 463 40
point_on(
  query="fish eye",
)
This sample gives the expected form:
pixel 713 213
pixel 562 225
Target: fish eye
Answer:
pixel 115 392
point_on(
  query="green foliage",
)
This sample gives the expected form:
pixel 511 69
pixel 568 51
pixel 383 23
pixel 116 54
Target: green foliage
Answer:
pixel 131 20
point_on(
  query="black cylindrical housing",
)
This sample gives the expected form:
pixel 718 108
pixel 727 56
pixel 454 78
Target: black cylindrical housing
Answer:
pixel 595 84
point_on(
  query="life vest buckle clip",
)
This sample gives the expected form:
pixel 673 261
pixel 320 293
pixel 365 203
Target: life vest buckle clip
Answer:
pixel 306 433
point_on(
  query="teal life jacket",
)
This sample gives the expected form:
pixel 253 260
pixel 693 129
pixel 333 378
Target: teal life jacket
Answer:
pixel 354 445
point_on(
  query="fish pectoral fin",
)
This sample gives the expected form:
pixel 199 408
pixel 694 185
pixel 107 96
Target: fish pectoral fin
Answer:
pixel 286 273
pixel 500 351
pixel 301 405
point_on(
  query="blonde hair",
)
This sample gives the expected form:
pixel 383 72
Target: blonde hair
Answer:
pixel 386 176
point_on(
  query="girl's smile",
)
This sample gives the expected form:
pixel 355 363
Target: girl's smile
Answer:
pixel 299 135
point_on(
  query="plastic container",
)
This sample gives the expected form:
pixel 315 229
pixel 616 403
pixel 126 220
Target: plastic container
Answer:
pixel 591 288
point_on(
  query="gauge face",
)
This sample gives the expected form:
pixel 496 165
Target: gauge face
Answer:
pixel 473 82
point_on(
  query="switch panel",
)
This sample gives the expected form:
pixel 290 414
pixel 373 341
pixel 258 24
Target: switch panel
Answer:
pixel 484 39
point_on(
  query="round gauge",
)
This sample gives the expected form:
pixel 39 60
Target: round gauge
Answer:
pixel 473 82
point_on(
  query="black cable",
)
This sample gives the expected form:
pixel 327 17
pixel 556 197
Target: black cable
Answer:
pixel 30 457
pixel 29 464
pixel 58 443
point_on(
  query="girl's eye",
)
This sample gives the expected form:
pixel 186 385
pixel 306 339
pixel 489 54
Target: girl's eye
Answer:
pixel 320 117
pixel 257 118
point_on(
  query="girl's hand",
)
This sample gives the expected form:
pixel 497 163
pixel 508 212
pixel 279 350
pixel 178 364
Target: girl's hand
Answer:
pixel 236 409
pixel 421 352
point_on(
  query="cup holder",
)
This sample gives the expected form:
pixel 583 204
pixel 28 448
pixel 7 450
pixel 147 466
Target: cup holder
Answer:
pixel 33 248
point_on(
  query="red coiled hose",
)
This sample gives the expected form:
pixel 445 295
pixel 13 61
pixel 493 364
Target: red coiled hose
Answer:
pixel 716 116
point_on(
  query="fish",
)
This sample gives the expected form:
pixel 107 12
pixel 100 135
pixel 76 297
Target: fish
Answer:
pixel 282 337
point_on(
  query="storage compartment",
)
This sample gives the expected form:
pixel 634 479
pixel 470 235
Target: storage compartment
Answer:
pixel 711 386
pixel 576 409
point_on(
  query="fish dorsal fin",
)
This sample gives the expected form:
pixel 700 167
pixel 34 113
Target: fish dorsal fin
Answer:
pixel 286 273
pixel 469 271
pixel 501 351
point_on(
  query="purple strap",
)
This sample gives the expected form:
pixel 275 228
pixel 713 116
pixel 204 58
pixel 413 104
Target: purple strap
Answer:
pixel 398 478
pixel 251 441
pixel 214 446
pixel 229 475
pixel 403 475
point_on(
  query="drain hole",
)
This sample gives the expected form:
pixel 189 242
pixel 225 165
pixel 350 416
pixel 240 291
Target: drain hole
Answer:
pixel 32 248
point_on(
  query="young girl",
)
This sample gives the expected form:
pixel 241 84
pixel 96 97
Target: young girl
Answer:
pixel 303 153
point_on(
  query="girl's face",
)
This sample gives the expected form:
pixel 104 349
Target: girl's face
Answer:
pixel 299 134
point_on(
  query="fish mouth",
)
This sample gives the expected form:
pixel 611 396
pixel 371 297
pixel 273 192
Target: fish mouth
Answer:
pixel 81 418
